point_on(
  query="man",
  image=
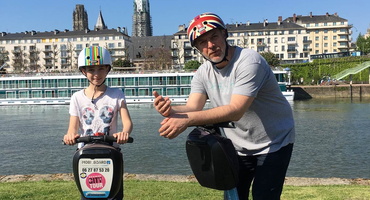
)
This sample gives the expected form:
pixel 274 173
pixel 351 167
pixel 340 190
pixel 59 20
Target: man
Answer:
pixel 241 88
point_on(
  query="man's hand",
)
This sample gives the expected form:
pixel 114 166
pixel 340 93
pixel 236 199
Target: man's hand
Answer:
pixel 162 104
pixel 174 125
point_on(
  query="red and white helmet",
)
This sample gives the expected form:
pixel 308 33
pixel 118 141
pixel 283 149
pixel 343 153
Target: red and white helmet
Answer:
pixel 202 24
pixel 94 55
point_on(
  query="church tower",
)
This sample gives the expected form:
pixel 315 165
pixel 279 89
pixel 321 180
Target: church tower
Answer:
pixel 141 20
pixel 100 24
pixel 80 21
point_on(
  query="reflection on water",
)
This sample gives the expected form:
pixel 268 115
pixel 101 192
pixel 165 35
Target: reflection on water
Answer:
pixel 332 141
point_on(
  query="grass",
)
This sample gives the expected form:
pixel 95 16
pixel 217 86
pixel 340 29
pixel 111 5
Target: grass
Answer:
pixel 163 190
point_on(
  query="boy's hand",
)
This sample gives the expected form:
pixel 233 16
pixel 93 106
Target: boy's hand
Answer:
pixel 122 137
pixel 70 139
pixel 162 104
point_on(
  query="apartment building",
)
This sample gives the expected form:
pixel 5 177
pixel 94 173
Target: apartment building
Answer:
pixel 292 40
pixel 58 50
pixel 329 33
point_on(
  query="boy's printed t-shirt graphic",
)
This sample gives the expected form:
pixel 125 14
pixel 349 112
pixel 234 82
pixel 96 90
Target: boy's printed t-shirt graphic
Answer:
pixel 97 120
pixel 100 116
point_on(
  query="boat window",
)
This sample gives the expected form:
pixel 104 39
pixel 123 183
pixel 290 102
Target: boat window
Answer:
pixel 49 93
pixel 143 80
pixel 24 94
pixel 36 94
pixel 75 83
pixel 63 93
pixel 115 82
pixel 130 81
pixel 23 84
pixel 171 80
pixel 11 95
pixel 49 83
pixel 159 90
pixel 144 92
pixel 63 83
pixel 185 91
pixel 35 83
pixel 157 81
pixel 171 91
pixel 185 80
pixel 129 92
pixel 9 84
pixel 84 82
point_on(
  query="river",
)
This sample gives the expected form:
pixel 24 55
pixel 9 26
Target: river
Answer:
pixel 332 141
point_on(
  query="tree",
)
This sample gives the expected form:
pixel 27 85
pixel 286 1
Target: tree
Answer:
pixel 192 65
pixel 19 61
pixel 363 44
pixel 270 58
pixel 121 63
pixel 34 57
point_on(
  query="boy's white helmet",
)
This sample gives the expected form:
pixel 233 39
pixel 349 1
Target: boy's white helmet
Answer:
pixel 94 55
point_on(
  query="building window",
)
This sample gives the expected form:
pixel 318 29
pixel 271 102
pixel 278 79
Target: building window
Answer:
pixel 79 47
pixel 291 39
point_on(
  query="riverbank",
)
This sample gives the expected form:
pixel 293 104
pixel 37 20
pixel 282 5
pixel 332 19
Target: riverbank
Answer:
pixel 293 181
pixel 331 91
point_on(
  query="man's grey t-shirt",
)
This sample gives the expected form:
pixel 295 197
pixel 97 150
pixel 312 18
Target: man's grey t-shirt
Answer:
pixel 268 124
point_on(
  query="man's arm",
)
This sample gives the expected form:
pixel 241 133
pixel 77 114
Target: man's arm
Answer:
pixel 196 101
pixel 176 123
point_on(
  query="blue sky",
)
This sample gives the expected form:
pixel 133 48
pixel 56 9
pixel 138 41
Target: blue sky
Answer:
pixel 167 15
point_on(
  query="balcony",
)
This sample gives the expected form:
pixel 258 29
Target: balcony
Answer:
pixel 291 50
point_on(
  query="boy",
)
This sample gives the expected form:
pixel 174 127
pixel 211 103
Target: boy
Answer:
pixel 95 109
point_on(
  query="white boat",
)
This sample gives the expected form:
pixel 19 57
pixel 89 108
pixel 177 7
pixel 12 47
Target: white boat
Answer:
pixel 57 89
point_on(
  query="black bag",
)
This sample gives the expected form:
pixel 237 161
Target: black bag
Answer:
pixel 213 159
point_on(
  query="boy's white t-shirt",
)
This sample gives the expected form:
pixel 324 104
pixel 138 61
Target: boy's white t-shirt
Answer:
pixel 97 116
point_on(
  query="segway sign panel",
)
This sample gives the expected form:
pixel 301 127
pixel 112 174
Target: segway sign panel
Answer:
pixel 96 176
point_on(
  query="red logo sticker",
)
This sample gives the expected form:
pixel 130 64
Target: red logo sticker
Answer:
pixel 95 181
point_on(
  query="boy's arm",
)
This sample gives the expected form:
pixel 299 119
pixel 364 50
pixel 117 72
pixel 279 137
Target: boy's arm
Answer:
pixel 72 133
pixel 127 124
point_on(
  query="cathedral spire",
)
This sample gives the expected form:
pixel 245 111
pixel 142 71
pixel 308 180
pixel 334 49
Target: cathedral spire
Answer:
pixel 100 24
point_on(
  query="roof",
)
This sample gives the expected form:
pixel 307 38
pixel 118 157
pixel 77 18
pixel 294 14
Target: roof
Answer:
pixel 150 42
pixel 315 18
pixel 262 26
pixel 59 34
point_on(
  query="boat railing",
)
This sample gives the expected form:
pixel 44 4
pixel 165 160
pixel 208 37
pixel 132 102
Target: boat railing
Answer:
pixel 79 73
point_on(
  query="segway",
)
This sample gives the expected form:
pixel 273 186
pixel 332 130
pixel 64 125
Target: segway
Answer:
pixel 98 167
pixel 213 158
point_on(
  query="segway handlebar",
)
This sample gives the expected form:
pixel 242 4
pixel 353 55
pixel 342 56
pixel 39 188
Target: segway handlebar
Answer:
pixel 102 138
pixel 220 125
